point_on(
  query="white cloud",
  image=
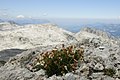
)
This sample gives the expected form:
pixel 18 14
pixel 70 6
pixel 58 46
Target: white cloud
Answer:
pixel 118 17
pixel 4 14
pixel 45 14
pixel 20 16
pixel 30 17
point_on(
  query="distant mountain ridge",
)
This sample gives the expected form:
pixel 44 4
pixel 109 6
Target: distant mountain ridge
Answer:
pixel 112 28
pixel 25 21
pixel 4 26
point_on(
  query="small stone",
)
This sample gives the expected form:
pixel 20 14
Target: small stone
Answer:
pixel 84 70
pixel 28 75
pixel 83 78
pixel 70 76
pixel 108 78
pixel 98 66
pixel 97 75
pixel 40 72
pixel 117 79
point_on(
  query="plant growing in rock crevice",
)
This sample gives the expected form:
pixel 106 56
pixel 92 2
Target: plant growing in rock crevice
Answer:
pixel 60 61
pixel 110 72
pixel 107 71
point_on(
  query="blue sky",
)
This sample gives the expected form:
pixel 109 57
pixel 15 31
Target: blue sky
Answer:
pixel 105 9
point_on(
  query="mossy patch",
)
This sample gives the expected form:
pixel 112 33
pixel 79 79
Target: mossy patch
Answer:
pixel 110 72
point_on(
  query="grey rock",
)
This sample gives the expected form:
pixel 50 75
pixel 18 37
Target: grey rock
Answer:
pixel 97 75
pixel 98 66
pixel 16 68
pixel 40 72
pixel 83 78
pixel 108 78
pixel 6 54
pixel 70 76
pixel 84 70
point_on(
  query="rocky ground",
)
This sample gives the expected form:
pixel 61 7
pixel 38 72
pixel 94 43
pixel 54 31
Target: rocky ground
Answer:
pixel 101 55
pixel 31 36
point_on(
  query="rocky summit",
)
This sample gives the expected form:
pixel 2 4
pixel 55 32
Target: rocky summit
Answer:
pixel 21 47
pixel 31 36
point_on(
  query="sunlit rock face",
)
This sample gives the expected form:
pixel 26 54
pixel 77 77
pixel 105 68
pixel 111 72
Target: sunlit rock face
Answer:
pixel 31 36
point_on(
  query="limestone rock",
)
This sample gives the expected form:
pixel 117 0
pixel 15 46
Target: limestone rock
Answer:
pixel 69 76
pixel 98 66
